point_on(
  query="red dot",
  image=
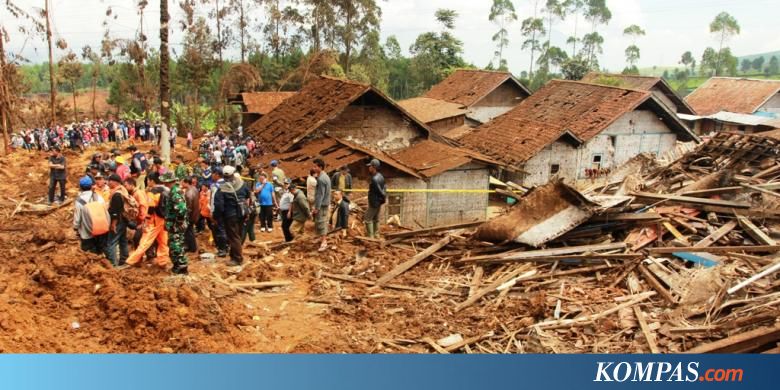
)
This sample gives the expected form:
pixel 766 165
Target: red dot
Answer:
pixel 701 379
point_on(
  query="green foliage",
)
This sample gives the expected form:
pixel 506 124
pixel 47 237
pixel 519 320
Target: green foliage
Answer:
pixel 502 13
pixel 575 68
pixel 434 55
pixel 774 66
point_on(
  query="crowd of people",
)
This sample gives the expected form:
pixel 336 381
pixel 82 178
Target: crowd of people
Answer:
pixel 132 207
pixel 80 136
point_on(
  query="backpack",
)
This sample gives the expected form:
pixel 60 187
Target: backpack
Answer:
pixel 95 217
pixel 157 201
pixel 130 210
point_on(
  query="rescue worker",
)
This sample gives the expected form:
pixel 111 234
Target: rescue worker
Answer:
pixel 85 226
pixel 154 226
pixel 377 196
pixel 176 221
pixel 143 210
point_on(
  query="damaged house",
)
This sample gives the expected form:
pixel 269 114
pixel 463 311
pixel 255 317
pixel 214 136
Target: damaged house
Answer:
pixel 735 105
pixel 660 89
pixel 576 131
pixel 254 105
pixel 347 123
pixel 485 94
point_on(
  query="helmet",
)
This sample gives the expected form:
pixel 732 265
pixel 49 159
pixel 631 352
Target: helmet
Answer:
pixel 85 183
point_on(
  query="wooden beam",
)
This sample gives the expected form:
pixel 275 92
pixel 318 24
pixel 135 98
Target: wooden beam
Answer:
pixel 716 235
pixel 276 283
pixel 655 284
pixel 690 200
pixel 715 249
pixel 405 266
pixel 754 212
pixel 567 323
pixel 550 259
pixel 742 342
pixel 352 279
pixel 761 190
pixel 640 317
pixel 492 287
pixel 549 252
pixel 631 217
pixel 768 271
pixel 434 229
pixel 753 230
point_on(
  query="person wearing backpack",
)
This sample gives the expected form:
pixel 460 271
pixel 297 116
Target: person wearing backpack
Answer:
pixel 154 226
pixel 90 218
pixel 117 234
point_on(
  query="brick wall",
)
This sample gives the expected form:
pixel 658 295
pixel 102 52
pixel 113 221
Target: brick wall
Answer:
pixel 374 126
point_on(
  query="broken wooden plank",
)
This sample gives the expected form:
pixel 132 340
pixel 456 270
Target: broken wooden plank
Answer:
pixel 435 346
pixel 434 229
pixel 690 200
pixel 566 323
pixel 549 252
pixel 716 249
pixel 753 230
pixel 742 342
pixel 352 279
pixel 405 266
pixel 491 287
pixel 761 190
pixel 630 217
pixel 550 259
pixel 655 284
pixel 270 284
pixel 649 336
pixel 768 271
pixel 476 280
pixel 716 235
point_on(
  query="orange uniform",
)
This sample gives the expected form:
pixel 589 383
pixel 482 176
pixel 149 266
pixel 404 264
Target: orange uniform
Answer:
pixel 203 202
pixel 154 231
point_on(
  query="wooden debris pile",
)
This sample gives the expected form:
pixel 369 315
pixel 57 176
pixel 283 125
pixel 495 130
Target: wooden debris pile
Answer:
pixel 680 259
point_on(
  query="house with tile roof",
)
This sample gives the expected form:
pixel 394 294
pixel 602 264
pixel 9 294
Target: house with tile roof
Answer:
pixel 486 94
pixel 347 123
pixel 444 118
pixel 254 105
pixel 577 130
pixel 657 85
pixel 735 104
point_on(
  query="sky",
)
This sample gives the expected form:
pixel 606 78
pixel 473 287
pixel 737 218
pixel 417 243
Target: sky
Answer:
pixel 672 26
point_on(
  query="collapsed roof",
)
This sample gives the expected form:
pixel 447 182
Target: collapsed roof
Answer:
pixel 738 95
pixel 469 86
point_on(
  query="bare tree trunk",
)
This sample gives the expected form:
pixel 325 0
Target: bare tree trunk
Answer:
pixel 219 32
pixel 348 42
pixel 52 81
pixel 720 49
pixel 94 96
pixel 73 94
pixel 165 92
pixel 242 30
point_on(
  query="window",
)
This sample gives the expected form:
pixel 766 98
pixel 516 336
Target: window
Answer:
pixel 742 128
pixel 554 169
pixel 394 202
pixel 596 161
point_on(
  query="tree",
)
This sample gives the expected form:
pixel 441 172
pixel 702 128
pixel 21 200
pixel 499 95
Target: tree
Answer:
pixel 165 88
pixel 242 23
pixel 726 26
pixel 758 63
pixel 575 68
pixel 434 54
pixel 688 60
pixel 355 18
pixel 399 77
pixel 196 63
pixel 321 16
pixel 576 8
pixel 502 13
pixel 774 66
pixel 709 61
pixel 554 9
pixel 52 79
pixel 70 70
pixel 373 61
pixel 223 34
pixel 592 45
pixel 551 58
pixel 746 65
pixel 632 51
pixel 597 13
pixel 531 29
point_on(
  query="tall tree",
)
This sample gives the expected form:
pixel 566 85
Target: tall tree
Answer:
pixel 219 13
pixel 632 51
pixel 355 19
pixel 726 26
pixel 576 8
pixel 242 23
pixel 688 60
pixel 551 58
pixel 165 87
pixel 52 77
pixel 321 17
pixel 434 54
pixel 746 65
pixel 281 28
pixel 197 62
pixel 555 9
pixel 70 70
pixel 531 29
pixel 502 13
pixel 758 63
pixel 709 61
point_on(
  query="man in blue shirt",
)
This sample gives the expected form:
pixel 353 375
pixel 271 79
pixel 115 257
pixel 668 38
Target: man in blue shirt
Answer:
pixel 266 197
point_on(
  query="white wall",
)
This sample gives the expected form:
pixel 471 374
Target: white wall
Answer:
pixel 634 133
pixel 772 105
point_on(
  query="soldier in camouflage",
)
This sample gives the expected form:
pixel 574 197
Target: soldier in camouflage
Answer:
pixel 176 220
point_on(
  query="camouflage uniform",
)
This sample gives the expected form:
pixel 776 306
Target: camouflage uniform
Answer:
pixel 182 171
pixel 176 215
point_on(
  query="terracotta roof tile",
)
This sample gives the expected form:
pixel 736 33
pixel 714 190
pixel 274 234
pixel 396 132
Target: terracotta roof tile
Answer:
pixel 431 158
pixel 743 96
pixel 642 83
pixel 263 102
pixel 296 164
pixel 466 86
pixel 296 117
pixel 430 110
pixel 583 110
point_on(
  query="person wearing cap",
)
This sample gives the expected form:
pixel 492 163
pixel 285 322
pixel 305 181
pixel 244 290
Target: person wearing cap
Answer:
pixel 228 200
pixel 217 229
pixel 101 188
pixel 154 232
pixel 117 234
pixel 176 222
pixel 89 243
pixel 300 211
pixel 57 174
pixel 143 209
pixel 121 168
pixel 182 171
pixel 321 203
pixel 377 196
